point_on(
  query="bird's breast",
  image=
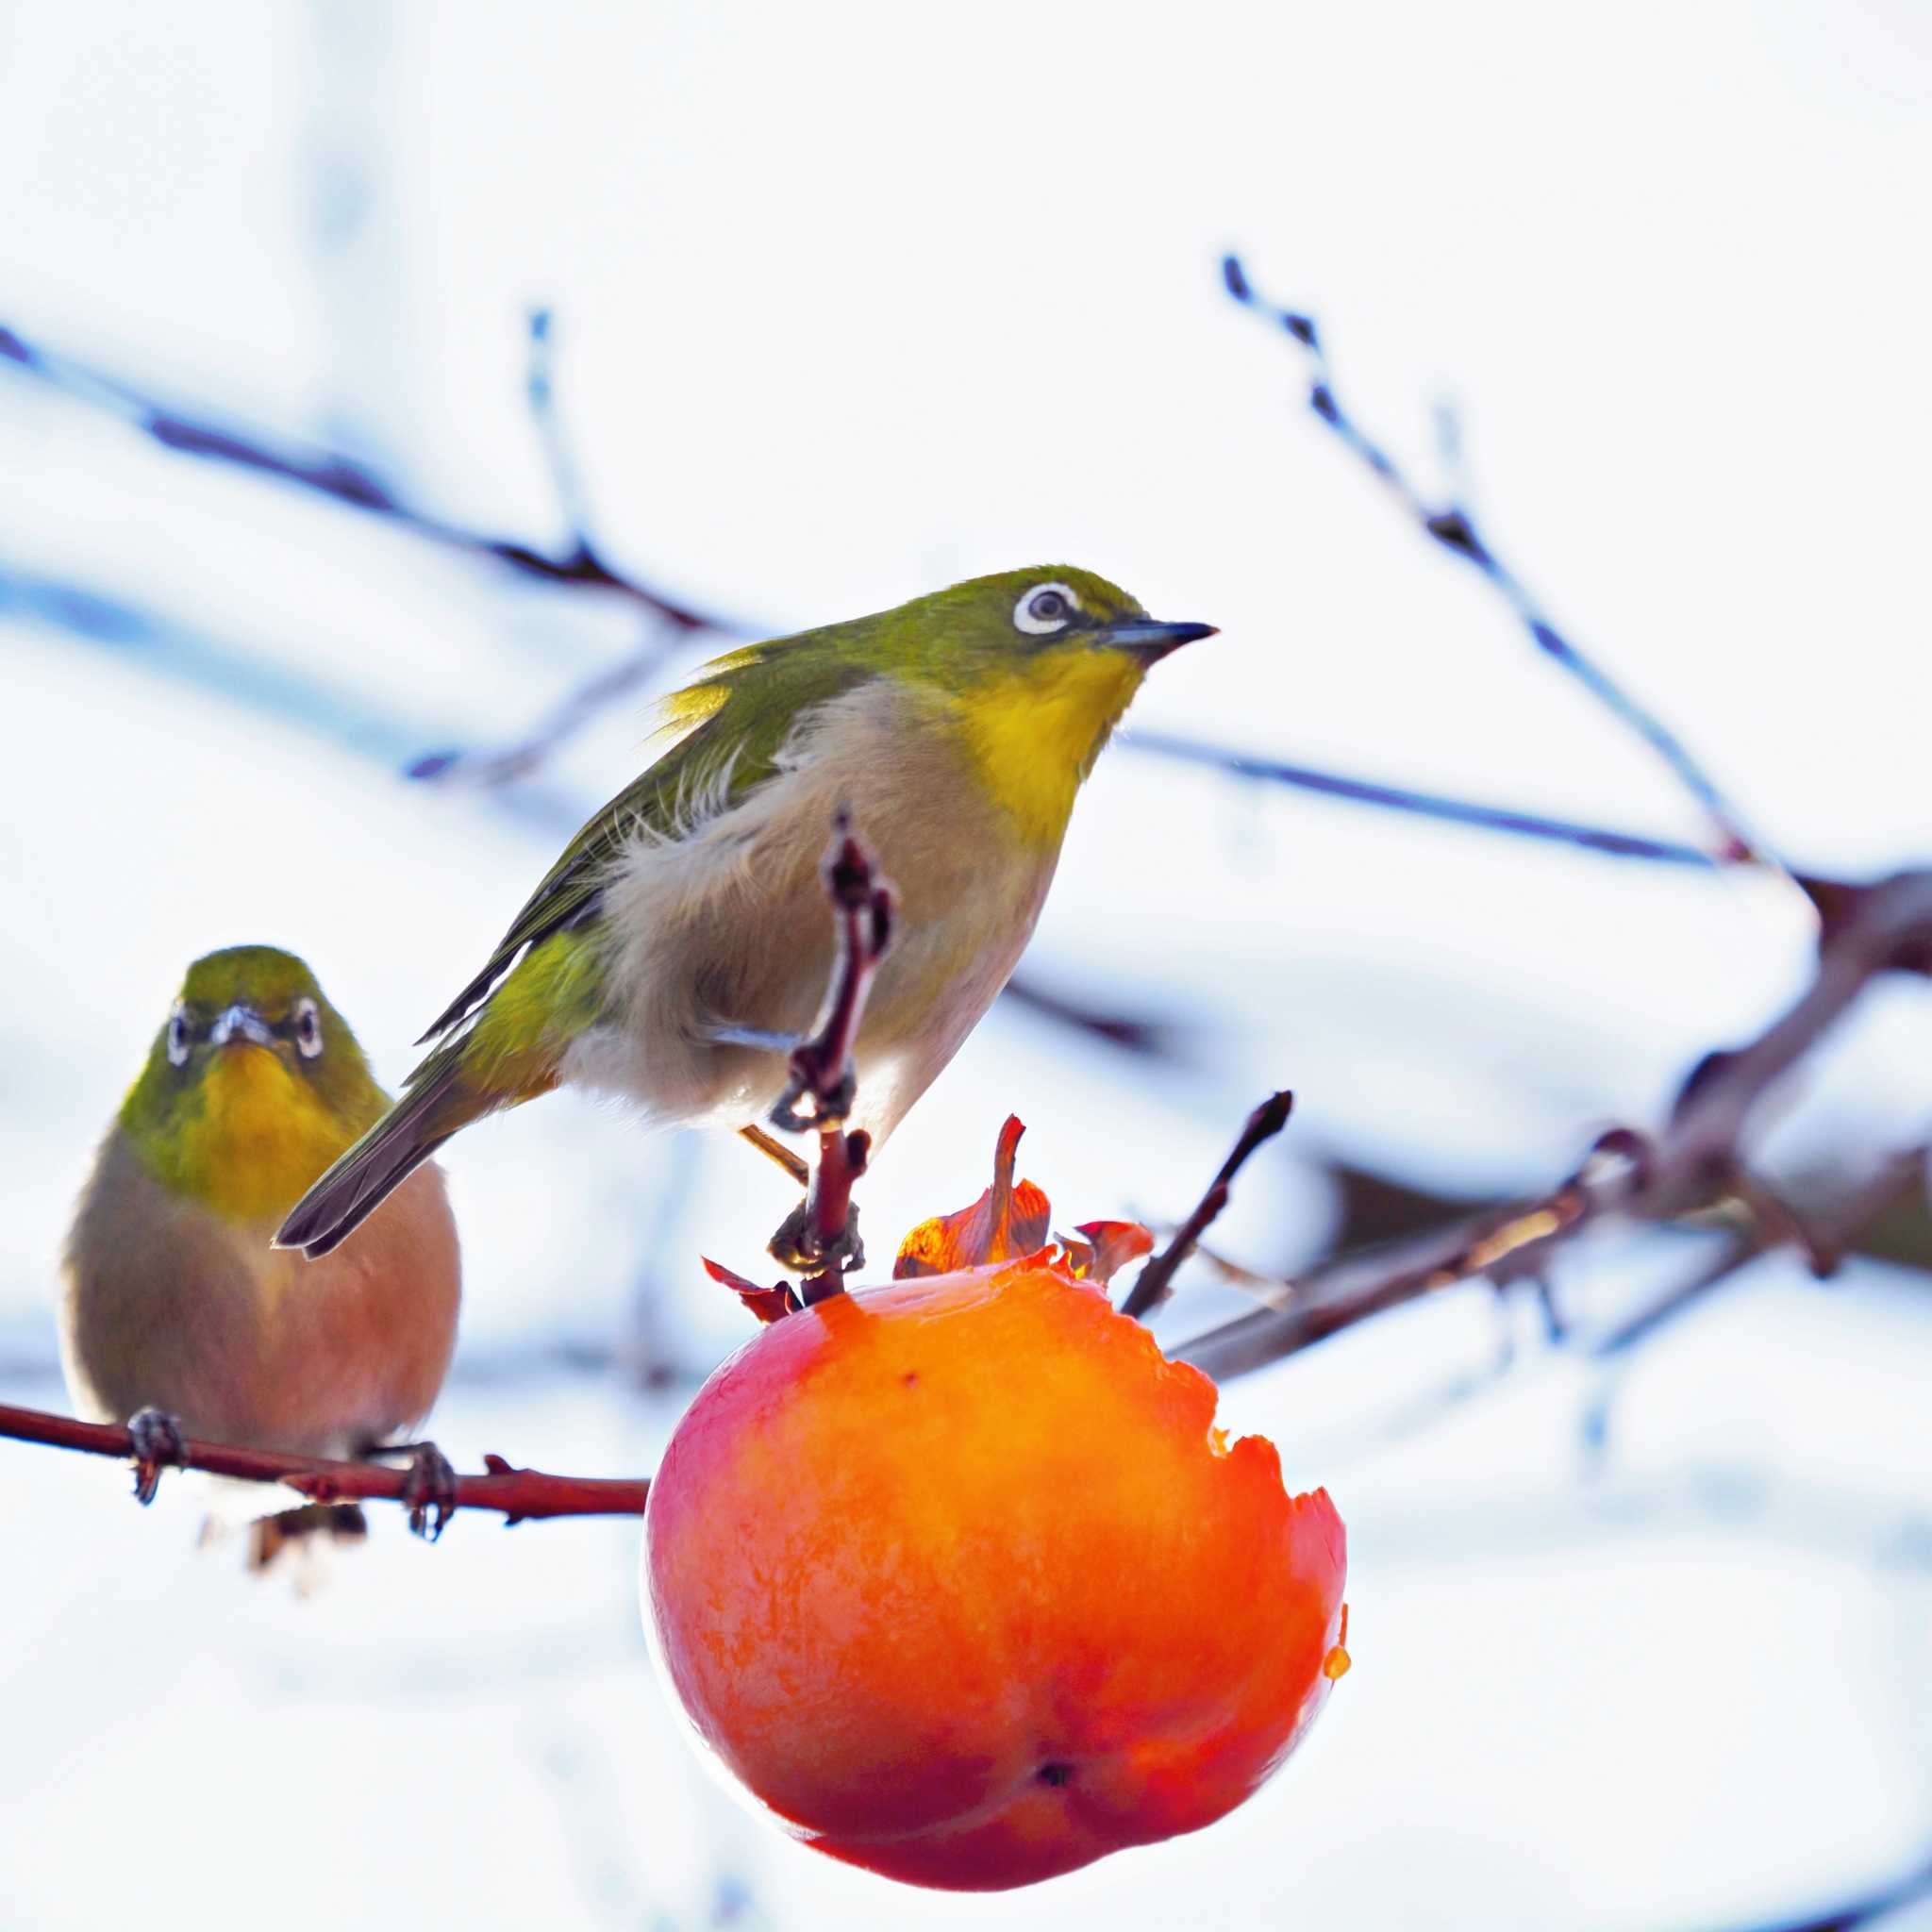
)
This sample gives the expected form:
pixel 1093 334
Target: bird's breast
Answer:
pixel 256 1137
pixel 729 923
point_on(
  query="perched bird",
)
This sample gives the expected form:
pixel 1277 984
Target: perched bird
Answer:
pixel 680 945
pixel 178 1309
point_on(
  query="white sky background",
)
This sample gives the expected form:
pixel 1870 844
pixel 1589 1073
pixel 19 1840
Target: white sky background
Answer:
pixel 851 302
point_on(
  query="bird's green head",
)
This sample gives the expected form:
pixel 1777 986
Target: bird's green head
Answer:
pixel 1038 665
pixel 1035 622
pixel 253 1086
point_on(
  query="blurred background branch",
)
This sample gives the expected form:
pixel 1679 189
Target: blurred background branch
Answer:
pixel 1451 524
pixel 1694 1161
pixel 677 623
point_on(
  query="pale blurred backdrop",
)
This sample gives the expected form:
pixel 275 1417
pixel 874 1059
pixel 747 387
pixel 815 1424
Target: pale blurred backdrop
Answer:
pixel 849 301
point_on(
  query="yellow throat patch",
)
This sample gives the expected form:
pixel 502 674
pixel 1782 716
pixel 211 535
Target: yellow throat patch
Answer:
pixel 259 1137
pixel 1035 734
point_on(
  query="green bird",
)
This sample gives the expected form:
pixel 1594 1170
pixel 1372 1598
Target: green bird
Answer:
pixel 680 945
pixel 176 1306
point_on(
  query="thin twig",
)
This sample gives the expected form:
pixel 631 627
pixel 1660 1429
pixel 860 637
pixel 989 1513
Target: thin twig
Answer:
pixel 344 480
pixel 347 481
pixel 330 474
pixel 596 693
pixel 517 1495
pixel 1454 811
pixel 1156 1281
pixel 565 476
pixel 1825 1242
pixel 1452 526
pixel 820 1084
pixel 819 1073
pixel 1692 1161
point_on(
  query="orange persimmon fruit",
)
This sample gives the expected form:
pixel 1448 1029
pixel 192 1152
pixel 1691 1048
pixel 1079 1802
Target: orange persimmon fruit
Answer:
pixel 959 1578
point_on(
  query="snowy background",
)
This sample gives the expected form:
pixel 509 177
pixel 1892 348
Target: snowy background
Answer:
pixel 851 301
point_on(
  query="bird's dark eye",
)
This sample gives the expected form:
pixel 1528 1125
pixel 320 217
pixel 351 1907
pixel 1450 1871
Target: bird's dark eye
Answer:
pixel 179 1039
pixel 1045 608
pixel 308 1028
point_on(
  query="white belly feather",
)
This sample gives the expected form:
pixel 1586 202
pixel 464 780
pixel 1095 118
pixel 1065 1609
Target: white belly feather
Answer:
pixel 726 922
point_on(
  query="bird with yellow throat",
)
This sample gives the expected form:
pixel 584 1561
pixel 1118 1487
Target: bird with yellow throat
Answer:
pixel 679 946
pixel 178 1315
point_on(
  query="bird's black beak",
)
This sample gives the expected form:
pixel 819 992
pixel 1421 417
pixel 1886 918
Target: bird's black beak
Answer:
pixel 1150 641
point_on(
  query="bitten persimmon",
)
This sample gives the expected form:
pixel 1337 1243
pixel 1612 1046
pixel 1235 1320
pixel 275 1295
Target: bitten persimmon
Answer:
pixel 959 1578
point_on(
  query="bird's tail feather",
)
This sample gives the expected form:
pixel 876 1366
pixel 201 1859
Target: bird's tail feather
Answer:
pixel 514 1052
pixel 438 1102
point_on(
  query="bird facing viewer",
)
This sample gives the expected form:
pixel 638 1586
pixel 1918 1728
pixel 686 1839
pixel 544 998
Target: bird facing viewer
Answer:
pixel 680 945
pixel 176 1302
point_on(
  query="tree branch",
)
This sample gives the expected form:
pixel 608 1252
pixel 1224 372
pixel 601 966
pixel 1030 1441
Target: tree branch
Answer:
pixel 1826 1243
pixel 1866 1909
pixel 518 1494
pixel 1695 1158
pixel 326 473
pixel 1428 805
pixel 821 1236
pixel 1452 524
pixel 581 564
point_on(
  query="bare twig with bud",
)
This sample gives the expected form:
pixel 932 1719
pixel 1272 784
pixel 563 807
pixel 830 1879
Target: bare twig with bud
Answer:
pixel 1451 524
pixel 821 1236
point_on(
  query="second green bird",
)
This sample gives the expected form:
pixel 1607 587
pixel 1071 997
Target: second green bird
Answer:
pixel 681 940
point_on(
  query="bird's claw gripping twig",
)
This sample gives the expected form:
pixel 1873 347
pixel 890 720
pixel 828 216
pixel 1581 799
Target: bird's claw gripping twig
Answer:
pixel 830 1100
pixel 159 1444
pixel 429 1485
pixel 429 1492
pixel 796 1245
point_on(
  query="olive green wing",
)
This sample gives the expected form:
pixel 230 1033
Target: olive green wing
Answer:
pixel 734 721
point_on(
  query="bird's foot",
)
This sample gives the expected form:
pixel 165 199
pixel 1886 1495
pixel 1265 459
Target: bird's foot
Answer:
pixel 159 1444
pixel 429 1492
pixel 429 1483
pixel 831 1101
pixel 795 1246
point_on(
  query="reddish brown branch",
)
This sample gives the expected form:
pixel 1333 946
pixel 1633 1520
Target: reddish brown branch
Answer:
pixel 1156 1281
pixel 819 1237
pixel 517 1495
pixel 1692 1161
pixel 821 1071
pixel 830 1219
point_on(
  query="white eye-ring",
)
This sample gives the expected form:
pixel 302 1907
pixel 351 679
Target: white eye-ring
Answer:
pixel 178 1037
pixel 1045 608
pixel 308 1027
